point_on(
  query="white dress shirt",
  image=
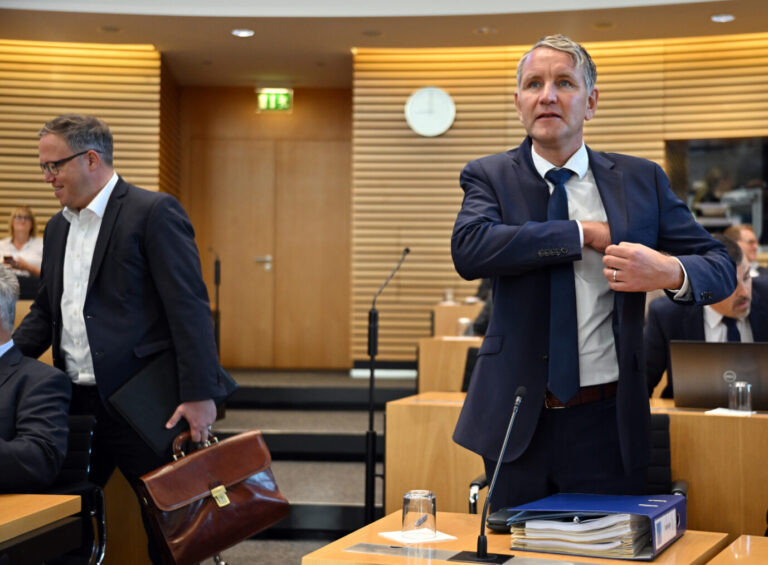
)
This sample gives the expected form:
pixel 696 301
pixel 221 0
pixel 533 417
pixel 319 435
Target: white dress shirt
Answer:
pixel 81 242
pixel 598 362
pixel 716 331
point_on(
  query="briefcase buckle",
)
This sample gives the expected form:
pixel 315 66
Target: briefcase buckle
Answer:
pixel 219 494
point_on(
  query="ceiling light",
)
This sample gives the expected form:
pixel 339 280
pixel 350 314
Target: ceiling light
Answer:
pixel 723 18
pixel 485 31
pixel 243 32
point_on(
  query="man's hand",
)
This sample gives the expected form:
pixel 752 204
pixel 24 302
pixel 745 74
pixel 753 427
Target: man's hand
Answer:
pixel 200 415
pixel 597 235
pixel 632 267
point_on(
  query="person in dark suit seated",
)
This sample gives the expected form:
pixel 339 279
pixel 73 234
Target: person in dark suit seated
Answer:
pixel 34 406
pixel 746 310
pixel 598 230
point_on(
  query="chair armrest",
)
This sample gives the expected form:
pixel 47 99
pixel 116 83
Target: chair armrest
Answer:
pixel 679 488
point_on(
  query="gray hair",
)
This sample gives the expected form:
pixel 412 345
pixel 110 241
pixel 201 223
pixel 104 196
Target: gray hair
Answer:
pixel 579 55
pixel 81 133
pixel 9 294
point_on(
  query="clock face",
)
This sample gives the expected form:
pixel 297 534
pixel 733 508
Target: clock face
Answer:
pixel 430 111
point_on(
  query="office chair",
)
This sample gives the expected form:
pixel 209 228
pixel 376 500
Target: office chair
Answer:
pixel 73 479
pixel 469 366
pixel 659 469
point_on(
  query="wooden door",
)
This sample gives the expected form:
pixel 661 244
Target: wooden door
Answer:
pixel 233 207
pixel 312 254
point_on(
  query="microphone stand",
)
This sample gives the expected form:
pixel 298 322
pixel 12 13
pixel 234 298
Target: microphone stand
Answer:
pixel 482 555
pixel 370 435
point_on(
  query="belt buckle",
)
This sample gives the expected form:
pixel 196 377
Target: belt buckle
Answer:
pixel 548 406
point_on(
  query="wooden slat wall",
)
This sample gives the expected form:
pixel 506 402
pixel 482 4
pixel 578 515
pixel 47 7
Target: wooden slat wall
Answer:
pixel 405 187
pixel 40 80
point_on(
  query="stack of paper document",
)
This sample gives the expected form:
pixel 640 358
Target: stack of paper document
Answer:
pixel 614 535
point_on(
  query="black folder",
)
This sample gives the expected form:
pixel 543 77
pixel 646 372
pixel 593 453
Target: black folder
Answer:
pixel 149 398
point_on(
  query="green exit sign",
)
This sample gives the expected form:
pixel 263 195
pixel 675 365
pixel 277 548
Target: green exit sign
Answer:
pixel 275 99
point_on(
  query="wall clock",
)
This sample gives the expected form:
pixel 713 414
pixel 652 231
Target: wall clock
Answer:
pixel 430 111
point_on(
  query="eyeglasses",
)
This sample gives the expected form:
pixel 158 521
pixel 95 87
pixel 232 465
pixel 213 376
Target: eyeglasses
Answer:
pixel 53 166
pixel 25 218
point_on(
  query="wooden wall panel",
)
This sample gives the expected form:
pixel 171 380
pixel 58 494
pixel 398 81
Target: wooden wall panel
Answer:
pixel 405 188
pixel 40 80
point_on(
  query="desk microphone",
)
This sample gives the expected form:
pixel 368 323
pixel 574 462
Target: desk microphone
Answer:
pixel 373 314
pixel 482 555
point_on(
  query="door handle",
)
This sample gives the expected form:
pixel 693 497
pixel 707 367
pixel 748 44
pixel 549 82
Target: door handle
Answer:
pixel 266 259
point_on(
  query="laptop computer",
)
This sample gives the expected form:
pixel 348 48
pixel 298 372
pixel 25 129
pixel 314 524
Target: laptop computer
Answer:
pixel 701 372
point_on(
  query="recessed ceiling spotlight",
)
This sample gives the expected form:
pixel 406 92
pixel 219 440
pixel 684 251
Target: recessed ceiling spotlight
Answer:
pixel 485 30
pixel 371 32
pixel 243 32
pixel 723 18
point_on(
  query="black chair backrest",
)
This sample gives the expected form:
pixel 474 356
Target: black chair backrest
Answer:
pixel 77 464
pixel 659 468
pixel 469 366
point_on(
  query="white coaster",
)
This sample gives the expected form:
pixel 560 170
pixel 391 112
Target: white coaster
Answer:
pixel 400 538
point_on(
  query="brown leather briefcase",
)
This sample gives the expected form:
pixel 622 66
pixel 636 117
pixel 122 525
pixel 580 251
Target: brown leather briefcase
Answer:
pixel 213 498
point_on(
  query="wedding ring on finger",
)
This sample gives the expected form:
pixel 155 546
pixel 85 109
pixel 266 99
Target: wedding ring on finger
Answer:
pixel 614 275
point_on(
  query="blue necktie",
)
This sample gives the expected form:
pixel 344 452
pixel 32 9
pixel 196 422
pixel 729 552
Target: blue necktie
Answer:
pixel 733 330
pixel 563 327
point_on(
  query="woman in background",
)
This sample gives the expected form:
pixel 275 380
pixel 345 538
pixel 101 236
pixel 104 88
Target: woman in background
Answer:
pixel 22 252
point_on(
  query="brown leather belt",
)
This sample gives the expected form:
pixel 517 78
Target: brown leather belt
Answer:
pixel 586 395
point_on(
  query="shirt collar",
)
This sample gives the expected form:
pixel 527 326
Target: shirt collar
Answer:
pixel 99 202
pixel 578 163
pixel 712 317
pixel 4 348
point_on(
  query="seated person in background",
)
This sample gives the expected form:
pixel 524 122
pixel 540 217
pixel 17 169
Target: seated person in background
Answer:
pixel 743 316
pixel 34 407
pixel 22 251
pixel 744 235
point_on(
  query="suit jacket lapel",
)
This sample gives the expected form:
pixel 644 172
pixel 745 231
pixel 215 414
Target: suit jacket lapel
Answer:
pixel 610 185
pixel 534 189
pixel 107 226
pixel 693 317
pixel 8 364
pixel 56 246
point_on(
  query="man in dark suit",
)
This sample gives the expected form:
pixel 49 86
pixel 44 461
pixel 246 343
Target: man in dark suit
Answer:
pixel 120 283
pixel 746 310
pixel 593 435
pixel 34 405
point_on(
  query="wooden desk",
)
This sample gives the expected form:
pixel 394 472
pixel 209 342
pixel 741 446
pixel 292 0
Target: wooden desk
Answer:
pixel 722 458
pixel 442 360
pixel 421 454
pixel 446 316
pixel 23 513
pixel 745 550
pixel 692 548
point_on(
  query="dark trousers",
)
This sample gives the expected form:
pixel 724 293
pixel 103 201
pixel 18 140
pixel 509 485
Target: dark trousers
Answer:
pixel 115 444
pixel 572 450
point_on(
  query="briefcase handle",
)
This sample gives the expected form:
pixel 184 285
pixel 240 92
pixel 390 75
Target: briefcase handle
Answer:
pixel 185 437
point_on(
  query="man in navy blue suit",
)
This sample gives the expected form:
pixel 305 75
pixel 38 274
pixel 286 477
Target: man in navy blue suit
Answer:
pixel 746 310
pixel 624 233
pixel 120 284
